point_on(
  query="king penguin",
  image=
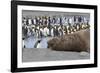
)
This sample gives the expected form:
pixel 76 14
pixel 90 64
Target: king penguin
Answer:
pixel 37 44
pixel 23 42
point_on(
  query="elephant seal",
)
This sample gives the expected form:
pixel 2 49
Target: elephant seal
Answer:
pixel 77 41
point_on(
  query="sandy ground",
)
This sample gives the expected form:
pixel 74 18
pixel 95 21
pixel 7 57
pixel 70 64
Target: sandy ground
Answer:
pixel 37 54
pixel 30 42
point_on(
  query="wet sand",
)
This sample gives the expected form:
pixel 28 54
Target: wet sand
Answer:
pixel 41 54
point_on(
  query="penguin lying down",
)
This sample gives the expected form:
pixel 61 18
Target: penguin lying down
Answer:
pixel 78 42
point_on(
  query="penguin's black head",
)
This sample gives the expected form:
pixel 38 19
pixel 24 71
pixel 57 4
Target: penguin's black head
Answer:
pixel 39 41
pixel 23 38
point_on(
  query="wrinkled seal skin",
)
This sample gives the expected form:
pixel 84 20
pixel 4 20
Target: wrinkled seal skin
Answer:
pixel 78 41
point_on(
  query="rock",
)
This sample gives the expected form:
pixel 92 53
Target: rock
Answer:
pixel 83 54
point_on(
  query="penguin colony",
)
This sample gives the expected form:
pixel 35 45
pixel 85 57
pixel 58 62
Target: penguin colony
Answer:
pixel 67 35
pixel 44 26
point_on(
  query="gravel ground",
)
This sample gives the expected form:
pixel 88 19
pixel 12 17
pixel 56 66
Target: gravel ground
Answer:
pixel 37 54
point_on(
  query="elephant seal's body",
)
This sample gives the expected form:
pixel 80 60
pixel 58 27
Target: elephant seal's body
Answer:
pixel 78 41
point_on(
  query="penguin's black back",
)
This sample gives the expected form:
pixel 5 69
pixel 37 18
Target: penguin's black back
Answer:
pixel 37 43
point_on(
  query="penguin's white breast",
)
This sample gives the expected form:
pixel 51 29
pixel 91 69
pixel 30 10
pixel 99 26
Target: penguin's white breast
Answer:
pixel 38 45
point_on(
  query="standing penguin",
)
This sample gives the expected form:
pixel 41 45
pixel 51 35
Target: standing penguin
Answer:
pixel 23 42
pixel 45 31
pixel 52 33
pixel 37 44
